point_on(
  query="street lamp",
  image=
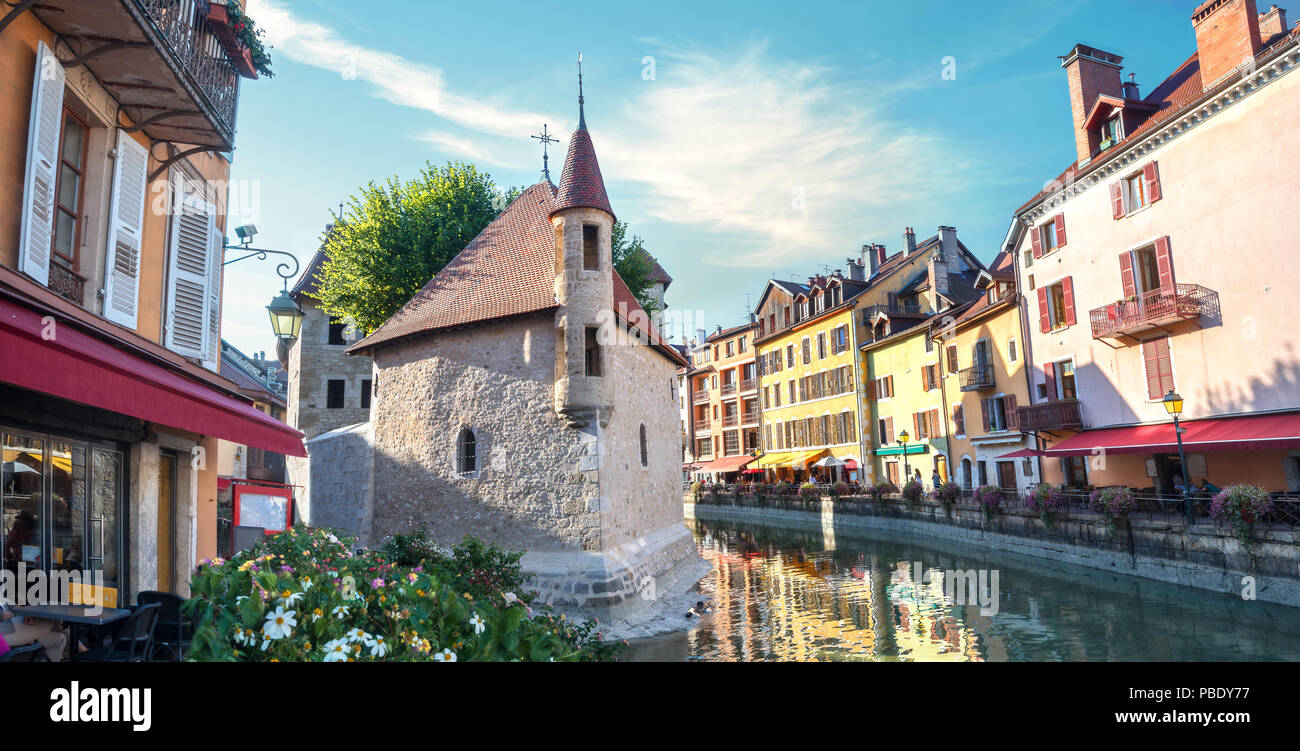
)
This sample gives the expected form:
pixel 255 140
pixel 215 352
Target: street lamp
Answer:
pixel 286 316
pixel 1174 406
pixel 903 438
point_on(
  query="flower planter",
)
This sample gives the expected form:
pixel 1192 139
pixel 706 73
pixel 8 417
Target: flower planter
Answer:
pixel 240 56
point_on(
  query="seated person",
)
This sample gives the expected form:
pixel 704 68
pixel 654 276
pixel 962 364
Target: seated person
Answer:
pixel 1208 487
pixel 20 631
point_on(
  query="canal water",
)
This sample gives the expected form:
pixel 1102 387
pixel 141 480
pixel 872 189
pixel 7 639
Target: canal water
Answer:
pixel 791 595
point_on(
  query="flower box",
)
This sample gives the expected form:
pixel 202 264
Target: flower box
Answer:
pixel 240 56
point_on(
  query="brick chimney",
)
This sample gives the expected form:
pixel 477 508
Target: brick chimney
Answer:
pixel 1272 22
pixel 856 271
pixel 1091 73
pixel 909 241
pixel 881 254
pixel 1227 34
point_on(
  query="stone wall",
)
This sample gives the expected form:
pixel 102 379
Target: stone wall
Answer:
pixel 342 463
pixel 1209 557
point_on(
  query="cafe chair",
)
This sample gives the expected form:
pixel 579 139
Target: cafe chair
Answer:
pixel 132 643
pixel 174 631
pixel 30 653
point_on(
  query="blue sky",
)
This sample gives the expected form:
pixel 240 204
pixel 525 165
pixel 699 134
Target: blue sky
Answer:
pixel 772 138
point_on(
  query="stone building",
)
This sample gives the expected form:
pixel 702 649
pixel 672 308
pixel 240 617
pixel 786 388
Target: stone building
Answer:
pixel 526 398
pixel 328 389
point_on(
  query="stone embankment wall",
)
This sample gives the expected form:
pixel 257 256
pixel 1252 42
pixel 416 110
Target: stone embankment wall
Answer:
pixel 1206 556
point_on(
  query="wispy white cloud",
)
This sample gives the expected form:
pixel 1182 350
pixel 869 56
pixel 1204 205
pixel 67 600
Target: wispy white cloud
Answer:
pixel 461 146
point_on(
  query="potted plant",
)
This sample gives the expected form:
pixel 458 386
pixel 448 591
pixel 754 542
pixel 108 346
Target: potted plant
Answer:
pixel 913 492
pixel 809 492
pixel 1242 506
pixel 1046 500
pixel 1115 502
pixel 839 489
pixel 696 487
pixel 880 493
pixel 947 495
pixel 241 38
pixel 989 498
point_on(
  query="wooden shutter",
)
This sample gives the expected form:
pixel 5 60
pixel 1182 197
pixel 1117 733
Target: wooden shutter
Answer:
pixel 916 425
pixel 1060 230
pixel 1165 265
pixel 1117 200
pixel 959 419
pixel 1067 290
pixel 37 233
pixel 1160 373
pixel 1126 274
pixel 889 385
pixel 1009 404
pixel 984 413
pixel 218 241
pixel 1036 241
pixel 1044 315
pixel 889 430
pixel 952 358
pixel 871 390
pixel 126 231
pixel 1151 173
pixel 1049 378
pixel 188 302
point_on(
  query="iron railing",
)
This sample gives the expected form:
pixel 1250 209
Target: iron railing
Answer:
pixel 1062 413
pixel 182 29
pixel 976 377
pixel 1185 302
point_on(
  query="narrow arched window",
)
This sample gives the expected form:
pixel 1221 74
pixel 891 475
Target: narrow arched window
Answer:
pixel 466 452
pixel 645 449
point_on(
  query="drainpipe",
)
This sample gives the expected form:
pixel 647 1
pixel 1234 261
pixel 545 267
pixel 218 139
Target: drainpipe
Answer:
pixel 1027 347
pixel 863 427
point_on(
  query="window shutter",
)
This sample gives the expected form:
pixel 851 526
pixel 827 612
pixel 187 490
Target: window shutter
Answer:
pixel 1151 173
pixel 1036 241
pixel 1117 200
pixel 1165 265
pixel 125 231
pixel 192 223
pixel 1160 373
pixel 984 413
pixel 916 425
pixel 1060 230
pixel 1044 319
pixel 889 385
pixel 218 240
pixel 871 390
pixel 1067 288
pixel 1049 377
pixel 889 430
pixel 1013 419
pixel 1126 274
pixel 46 120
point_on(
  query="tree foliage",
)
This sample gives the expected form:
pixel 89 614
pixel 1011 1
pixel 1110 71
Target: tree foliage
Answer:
pixel 395 236
pixel 635 264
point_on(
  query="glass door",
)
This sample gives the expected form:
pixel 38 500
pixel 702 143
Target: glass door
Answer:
pixel 21 506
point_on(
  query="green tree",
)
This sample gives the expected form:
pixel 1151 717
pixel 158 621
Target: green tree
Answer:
pixel 635 264
pixel 396 236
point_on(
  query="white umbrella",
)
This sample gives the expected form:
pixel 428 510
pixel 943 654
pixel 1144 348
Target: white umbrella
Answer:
pixel 829 461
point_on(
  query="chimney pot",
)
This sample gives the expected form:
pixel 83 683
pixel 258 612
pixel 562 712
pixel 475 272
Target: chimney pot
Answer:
pixel 1090 73
pixel 1272 23
pixel 1227 35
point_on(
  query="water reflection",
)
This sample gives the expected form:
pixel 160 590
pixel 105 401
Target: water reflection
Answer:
pixel 788 595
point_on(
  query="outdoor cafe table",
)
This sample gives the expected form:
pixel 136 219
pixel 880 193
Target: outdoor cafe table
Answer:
pixel 74 616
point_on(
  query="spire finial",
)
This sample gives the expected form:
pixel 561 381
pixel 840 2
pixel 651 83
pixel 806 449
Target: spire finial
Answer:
pixel 545 138
pixel 582 117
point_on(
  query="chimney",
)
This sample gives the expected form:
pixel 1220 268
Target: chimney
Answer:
pixel 700 336
pixel 1272 23
pixel 1090 73
pixel 856 270
pixel 1227 34
pixel 881 255
pixel 941 259
pixel 909 241
pixel 948 243
pixel 1131 90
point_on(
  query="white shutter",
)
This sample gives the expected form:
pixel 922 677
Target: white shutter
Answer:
pixel 125 230
pixel 215 257
pixel 37 231
pixel 188 300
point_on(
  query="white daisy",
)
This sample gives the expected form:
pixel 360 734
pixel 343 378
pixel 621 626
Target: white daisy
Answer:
pixel 356 635
pixel 340 612
pixel 291 599
pixel 378 647
pixel 478 624
pixel 336 650
pixel 280 623
pixel 445 655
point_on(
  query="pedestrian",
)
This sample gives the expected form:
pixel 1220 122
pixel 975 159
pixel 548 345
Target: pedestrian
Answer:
pixel 935 479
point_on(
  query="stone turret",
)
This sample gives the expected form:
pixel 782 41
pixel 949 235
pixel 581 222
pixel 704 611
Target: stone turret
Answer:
pixel 584 286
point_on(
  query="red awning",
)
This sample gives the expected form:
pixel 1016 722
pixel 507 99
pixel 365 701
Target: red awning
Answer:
pixel 1249 433
pixel 1022 454
pixel 851 464
pixel 76 366
pixel 752 471
pixel 726 464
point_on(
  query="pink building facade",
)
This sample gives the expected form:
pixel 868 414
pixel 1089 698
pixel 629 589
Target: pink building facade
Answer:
pixel 1165 260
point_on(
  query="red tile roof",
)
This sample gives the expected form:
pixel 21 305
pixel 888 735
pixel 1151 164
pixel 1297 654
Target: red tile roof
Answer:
pixel 581 185
pixel 1170 98
pixel 507 270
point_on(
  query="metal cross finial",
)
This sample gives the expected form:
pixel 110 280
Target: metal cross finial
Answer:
pixel 545 139
pixel 582 117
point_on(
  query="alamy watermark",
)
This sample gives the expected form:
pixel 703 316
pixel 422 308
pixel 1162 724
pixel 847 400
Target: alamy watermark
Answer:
pixel 36 587
pixel 968 587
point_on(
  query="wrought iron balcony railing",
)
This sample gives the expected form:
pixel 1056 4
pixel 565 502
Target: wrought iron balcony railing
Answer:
pixel 1152 309
pixel 1053 415
pixel 976 377
pixel 749 384
pixel 702 426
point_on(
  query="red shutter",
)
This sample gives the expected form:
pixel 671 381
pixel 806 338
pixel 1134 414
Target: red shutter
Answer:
pixel 916 425
pixel 1151 356
pixel 1126 274
pixel 1036 240
pixel 1044 319
pixel 1165 265
pixel 1013 419
pixel 1117 200
pixel 871 390
pixel 1067 288
pixel 984 413
pixel 1049 377
pixel 1060 230
pixel 889 429
pixel 1152 175
pixel 889 385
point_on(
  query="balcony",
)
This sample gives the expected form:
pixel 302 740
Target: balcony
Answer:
pixel 702 426
pixel 1153 309
pixel 728 389
pixel 162 60
pixel 730 421
pixel 1054 415
pixel 700 396
pixel 749 384
pixel 976 378
pixel 870 311
pixel 749 418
